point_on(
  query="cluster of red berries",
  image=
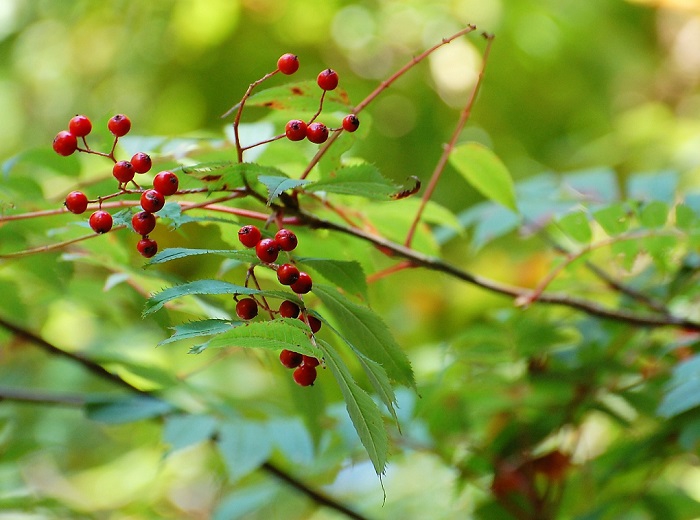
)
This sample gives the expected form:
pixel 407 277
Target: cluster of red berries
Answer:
pixel 152 200
pixel 267 251
pixel 298 130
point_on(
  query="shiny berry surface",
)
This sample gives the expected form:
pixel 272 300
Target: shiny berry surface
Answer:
pixel 166 182
pixel 101 221
pixel 119 125
pixel 76 202
pixel 295 130
pixel 143 222
pixel 288 63
pixel 147 247
pixel 80 126
pixel 123 171
pixel 289 309
pixel 287 274
pixel 152 201
pixel 286 240
pixel 267 250
pixel 290 359
pixel 249 235
pixel 247 308
pixel 317 133
pixel 142 162
pixel 303 284
pixel 65 143
pixel 305 375
pixel 351 123
pixel 327 79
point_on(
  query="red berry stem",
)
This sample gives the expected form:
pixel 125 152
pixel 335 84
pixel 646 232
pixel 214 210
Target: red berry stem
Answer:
pixel 270 140
pixel 320 107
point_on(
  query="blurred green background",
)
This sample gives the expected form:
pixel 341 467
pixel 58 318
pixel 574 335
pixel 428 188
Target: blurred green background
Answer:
pixel 570 85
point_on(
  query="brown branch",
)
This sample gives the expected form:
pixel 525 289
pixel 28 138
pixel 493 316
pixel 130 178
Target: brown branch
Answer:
pixel 100 371
pixel 436 264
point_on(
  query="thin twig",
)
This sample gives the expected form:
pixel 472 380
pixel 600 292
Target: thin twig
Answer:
pixel 51 399
pixel 442 162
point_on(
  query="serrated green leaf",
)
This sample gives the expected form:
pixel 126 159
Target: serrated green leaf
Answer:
pixel 126 409
pixel 347 275
pixel 363 411
pixel 654 214
pixel 277 185
pixel 225 175
pixel 576 226
pixel 244 446
pixel 183 430
pixel 300 97
pixel 175 253
pixel 613 219
pixel 368 333
pixel 156 302
pixel 283 333
pixel 481 168
pixel 362 180
pixel 196 329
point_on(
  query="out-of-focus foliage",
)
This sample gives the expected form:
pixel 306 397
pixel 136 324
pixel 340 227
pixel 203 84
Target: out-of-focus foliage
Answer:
pixel 594 108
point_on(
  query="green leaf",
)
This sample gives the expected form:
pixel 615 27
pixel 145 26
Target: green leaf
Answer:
pixel 292 438
pixel 156 302
pixel 380 382
pixel 300 97
pixel 347 275
pixel 363 411
pixel 654 214
pixel 613 219
pixel 485 172
pixel 368 333
pixel 183 430
pixel 196 329
pixel 225 175
pixel 683 391
pixel 244 446
pixel 175 253
pixel 126 409
pixel 277 185
pixel 283 333
pixel 685 217
pixel 576 226
pixel 242 502
pixel 362 180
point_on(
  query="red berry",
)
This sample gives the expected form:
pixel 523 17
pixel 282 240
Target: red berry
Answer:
pixel 305 375
pixel 289 309
pixel 309 361
pixel 143 222
pixel 291 359
pixel 286 239
pixel 247 308
pixel 123 171
pixel 142 162
pixel 76 202
pixel 152 201
pixel 295 130
pixel 303 284
pixel 288 63
pixel 267 250
pixel 80 126
pixel 351 123
pixel 327 79
pixel 314 322
pixel 147 247
pixel 119 125
pixel 287 274
pixel 65 143
pixel 166 182
pixel 101 221
pixel 249 236
pixel 317 133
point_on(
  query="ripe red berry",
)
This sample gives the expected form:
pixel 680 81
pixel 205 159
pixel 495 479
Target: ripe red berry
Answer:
pixel 267 250
pixel 289 309
pixel 166 182
pixel 314 323
pixel 309 361
pixel 286 239
pixel 303 284
pixel 123 171
pixel 101 221
pixel 143 222
pixel 65 143
pixel 76 202
pixel 295 130
pixel 351 123
pixel 290 359
pixel 327 79
pixel 247 308
pixel 142 162
pixel 288 63
pixel 147 247
pixel 305 375
pixel 317 133
pixel 119 125
pixel 287 274
pixel 152 201
pixel 249 236
pixel 80 126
